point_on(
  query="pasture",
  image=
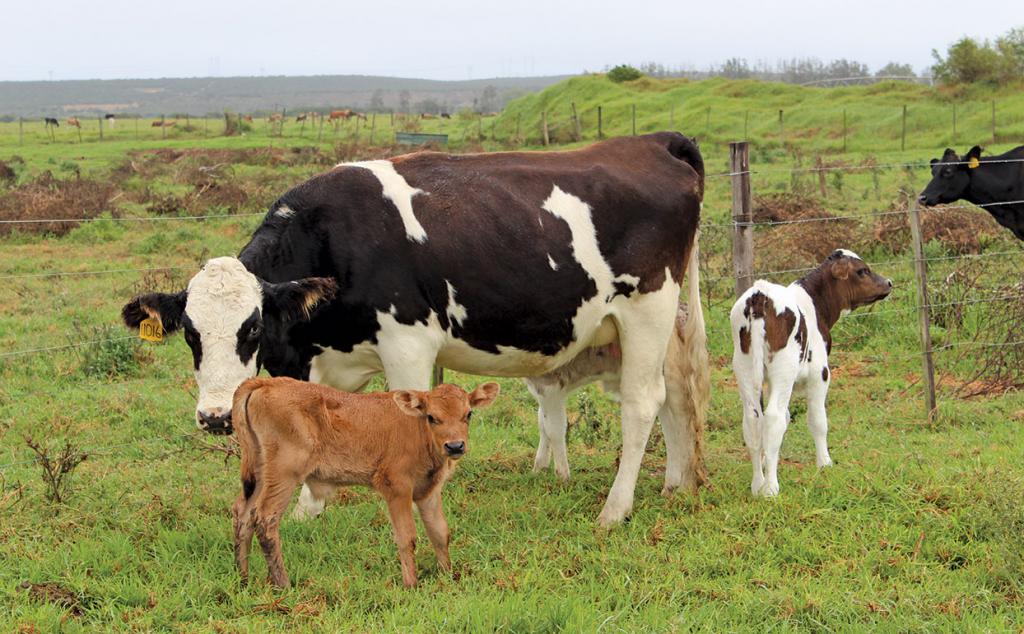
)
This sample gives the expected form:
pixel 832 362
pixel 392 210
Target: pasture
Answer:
pixel 916 528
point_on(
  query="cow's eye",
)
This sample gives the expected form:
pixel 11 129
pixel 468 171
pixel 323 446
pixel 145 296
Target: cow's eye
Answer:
pixel 862 272
pixel 431 419
pixel 255 331
pixel 469 415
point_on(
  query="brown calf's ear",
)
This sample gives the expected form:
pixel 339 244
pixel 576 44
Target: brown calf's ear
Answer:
pixel 167 308
pixel 484 395
pixel 410 403
pixel 841 269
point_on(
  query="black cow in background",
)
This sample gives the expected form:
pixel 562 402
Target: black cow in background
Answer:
pixel 985 181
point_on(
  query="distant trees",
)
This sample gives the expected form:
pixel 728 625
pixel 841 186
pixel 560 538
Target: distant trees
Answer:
pixel 895 69
pixel 624 72
pixel 798 70
pixel 968 61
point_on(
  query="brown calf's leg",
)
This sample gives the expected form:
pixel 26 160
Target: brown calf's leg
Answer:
pixel 434 521
pixel 270 507
pixel 404 528
pixel 244 526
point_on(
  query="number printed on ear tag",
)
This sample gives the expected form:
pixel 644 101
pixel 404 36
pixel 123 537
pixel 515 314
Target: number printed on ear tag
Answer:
pixel 150 329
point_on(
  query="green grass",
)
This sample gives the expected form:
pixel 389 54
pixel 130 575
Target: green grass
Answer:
pixel 916 528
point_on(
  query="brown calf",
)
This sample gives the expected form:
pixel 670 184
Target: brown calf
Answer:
pixel 404 444
pixel 75 122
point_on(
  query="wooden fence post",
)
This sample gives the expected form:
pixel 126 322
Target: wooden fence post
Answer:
pixel 576 122
pixel 21 131
pixel 921 271
pixel 903 132
pixel 373 126
pixel 100 118
pixel 742 231
pixel 844 130
pixel 634 119
pixel 993 120
pixel 544 125
pixel 519 120
pixel 782 130
pixel 820 165
pixel 600 129
pixel 320 134
pixel 163 127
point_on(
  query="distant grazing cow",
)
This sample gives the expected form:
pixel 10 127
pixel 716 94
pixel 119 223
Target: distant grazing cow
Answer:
pixel 339 114
pixel 110 119
pixel 687 387
pixel 73 121
pixel 782 335
pixel 404 444
pixel 50 121
pixel 427 115
pixel 274 118
pixel 247 117
pixel 445 115
pixel 985 181
pixel 156 124
pixel 301 117
pixel 164 124
pixel 500 264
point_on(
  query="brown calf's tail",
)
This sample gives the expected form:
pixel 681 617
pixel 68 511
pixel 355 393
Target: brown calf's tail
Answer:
pixel 697 365
pixel 247 438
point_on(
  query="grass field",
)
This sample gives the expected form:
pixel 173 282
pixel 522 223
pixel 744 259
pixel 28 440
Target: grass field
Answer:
pixel 918 527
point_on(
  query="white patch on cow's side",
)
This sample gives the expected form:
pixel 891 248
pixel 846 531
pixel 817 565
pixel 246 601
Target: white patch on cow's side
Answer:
pixel 626 278
pixel 552 263
pixel 456 311
pixel 576 214
pixel 284 211
pixel 398 191
pixel 849 254
pixel 220 297
pixel 393 310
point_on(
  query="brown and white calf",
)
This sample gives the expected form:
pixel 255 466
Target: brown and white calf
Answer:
pixel 404 444
pixel 782 335
pixel 687 393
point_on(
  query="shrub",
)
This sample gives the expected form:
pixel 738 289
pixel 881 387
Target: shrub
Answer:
pixel 624 72
pixel 110 352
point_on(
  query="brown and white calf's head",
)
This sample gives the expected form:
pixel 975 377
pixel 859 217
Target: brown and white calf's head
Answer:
pixel 231 320
pixel 447 410
pixel 852 283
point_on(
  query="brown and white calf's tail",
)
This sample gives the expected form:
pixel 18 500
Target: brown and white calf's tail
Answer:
pixel 695 349
pixel 248 441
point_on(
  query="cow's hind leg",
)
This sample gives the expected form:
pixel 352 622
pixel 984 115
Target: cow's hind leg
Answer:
pixel 244 525
pixel 781 376
pixel 644 329
pixel 269 508
pixel 552 421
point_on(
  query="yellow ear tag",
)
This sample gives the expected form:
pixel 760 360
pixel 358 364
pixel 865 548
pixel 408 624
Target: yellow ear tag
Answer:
pixel 973 163
pixel 150 329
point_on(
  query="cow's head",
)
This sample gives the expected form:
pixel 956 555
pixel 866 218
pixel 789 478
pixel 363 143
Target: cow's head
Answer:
pixel 853 281
pixel 229 317
pixel 446 409
pixel 951 177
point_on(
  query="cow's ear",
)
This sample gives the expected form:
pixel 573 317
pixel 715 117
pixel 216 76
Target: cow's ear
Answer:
pixel 298 300
pixel 972 156
pixel 949 155
pixel 168 308
pixel 484 395
pixel 410 403
pixel 842 268
pixel 933 161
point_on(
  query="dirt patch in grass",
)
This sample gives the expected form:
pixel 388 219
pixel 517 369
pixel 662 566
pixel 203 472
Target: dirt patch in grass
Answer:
pixel 802 241
pixel 47 198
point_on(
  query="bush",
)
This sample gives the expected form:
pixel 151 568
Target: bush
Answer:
pixel 969 61
pixel 624 72
pixel 111 353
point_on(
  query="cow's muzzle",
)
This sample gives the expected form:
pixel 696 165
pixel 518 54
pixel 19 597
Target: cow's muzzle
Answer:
pixel 215 422
pixel 455 449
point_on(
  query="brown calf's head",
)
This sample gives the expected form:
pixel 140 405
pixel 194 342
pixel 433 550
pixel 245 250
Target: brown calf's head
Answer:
pixel 854 283
pixel 447 410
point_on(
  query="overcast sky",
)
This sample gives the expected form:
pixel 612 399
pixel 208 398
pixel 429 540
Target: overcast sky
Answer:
pixel 466 39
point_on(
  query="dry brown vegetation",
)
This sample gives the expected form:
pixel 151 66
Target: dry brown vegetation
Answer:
pixel 47 198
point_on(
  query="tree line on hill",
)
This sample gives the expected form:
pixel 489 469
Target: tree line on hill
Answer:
pixel 967 61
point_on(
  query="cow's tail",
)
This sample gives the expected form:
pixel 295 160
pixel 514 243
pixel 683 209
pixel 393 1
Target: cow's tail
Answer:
pixel 698 366
pixel 248 439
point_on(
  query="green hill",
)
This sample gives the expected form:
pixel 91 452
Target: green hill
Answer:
pixel 812 118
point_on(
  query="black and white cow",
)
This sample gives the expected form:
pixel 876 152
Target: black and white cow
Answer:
pixel 505 264
pixel 983 181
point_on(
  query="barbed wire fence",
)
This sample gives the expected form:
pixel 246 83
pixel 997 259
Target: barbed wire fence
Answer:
pixel 740 232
